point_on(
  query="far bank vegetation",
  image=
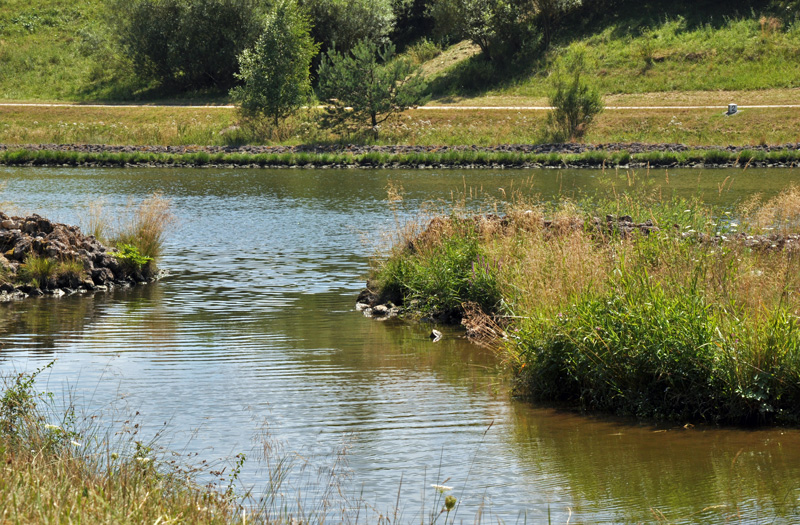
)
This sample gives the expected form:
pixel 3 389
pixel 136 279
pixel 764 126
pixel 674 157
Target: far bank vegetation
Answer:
pixel 200 50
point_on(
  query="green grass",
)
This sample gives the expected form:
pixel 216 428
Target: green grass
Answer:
pixel 466 158
pixel 60 467
pixel 657 47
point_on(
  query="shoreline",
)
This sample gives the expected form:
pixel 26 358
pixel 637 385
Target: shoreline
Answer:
pixel 335 156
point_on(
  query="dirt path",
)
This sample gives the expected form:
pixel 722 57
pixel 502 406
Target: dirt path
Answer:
pixel 420 108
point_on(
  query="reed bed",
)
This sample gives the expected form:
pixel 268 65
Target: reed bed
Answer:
pixel 667 308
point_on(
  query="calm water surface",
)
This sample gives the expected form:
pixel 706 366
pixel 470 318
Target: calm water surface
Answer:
pixel 254 332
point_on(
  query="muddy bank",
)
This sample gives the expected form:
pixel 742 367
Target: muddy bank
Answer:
pixel 41 257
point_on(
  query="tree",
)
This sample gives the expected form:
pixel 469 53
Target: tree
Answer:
pixel 343 23
pixel 275 72
pixel 367 86
pixel 575 103
pixel 185 45
pixel 548 13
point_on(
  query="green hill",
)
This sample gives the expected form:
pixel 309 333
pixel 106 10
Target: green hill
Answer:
pixel 53 50
pixel 62 50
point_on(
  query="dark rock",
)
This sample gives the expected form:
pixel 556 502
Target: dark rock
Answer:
pixel 102 276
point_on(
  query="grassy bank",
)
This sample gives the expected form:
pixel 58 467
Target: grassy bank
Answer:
pixel 662 53
pixel 379 159
pixel 59 467
pixel 667 309
pixel 174 126
pixel 652 48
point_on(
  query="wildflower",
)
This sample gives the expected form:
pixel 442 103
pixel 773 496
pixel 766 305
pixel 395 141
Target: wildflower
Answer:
pixel 449 503
pixel 114 455
pixel 143 461
pixel 76 444
pixel 442 488
pixel 53 427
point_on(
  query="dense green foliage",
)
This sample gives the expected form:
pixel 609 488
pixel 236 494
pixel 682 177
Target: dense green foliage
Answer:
pixel 186 45
pixel 53 49
pixel 131 258
pixel 368 86
pixel 344 23
pixel 501 28
pixel 275 72
pixel 440 278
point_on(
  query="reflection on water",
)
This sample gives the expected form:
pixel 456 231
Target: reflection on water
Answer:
pixel 256 323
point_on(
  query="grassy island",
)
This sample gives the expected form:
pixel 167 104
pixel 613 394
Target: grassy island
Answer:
pixel 637 305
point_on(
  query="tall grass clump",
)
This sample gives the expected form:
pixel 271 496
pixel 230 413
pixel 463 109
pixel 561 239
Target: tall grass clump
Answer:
pixel 146 226
pixel 637 304
pixel 442 269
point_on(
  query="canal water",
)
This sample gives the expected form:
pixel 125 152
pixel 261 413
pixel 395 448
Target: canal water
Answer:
pixel 252 345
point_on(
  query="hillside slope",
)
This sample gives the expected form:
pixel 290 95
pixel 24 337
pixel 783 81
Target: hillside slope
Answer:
pixel 61 50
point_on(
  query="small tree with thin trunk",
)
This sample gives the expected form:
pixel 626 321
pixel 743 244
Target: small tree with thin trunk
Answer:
pixel 275 72
pixel 367 86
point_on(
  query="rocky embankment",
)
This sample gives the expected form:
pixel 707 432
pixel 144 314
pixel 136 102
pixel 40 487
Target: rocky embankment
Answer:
pixel 566 148
pixel 38 256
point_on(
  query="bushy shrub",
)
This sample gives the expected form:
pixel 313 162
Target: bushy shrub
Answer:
pixel 501 28
pixel 443 272
pixel 575 102
pixel 186 44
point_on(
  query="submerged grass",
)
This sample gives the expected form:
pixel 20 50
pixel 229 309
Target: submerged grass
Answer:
pixel 681 311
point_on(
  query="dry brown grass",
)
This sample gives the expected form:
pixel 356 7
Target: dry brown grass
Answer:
pixel 146 226
pixel 185 126
pixel 780 214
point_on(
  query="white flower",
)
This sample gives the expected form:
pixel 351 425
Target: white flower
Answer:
pixel 76 444
pixel 442 488
pixel 53 427
pixel 143 461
